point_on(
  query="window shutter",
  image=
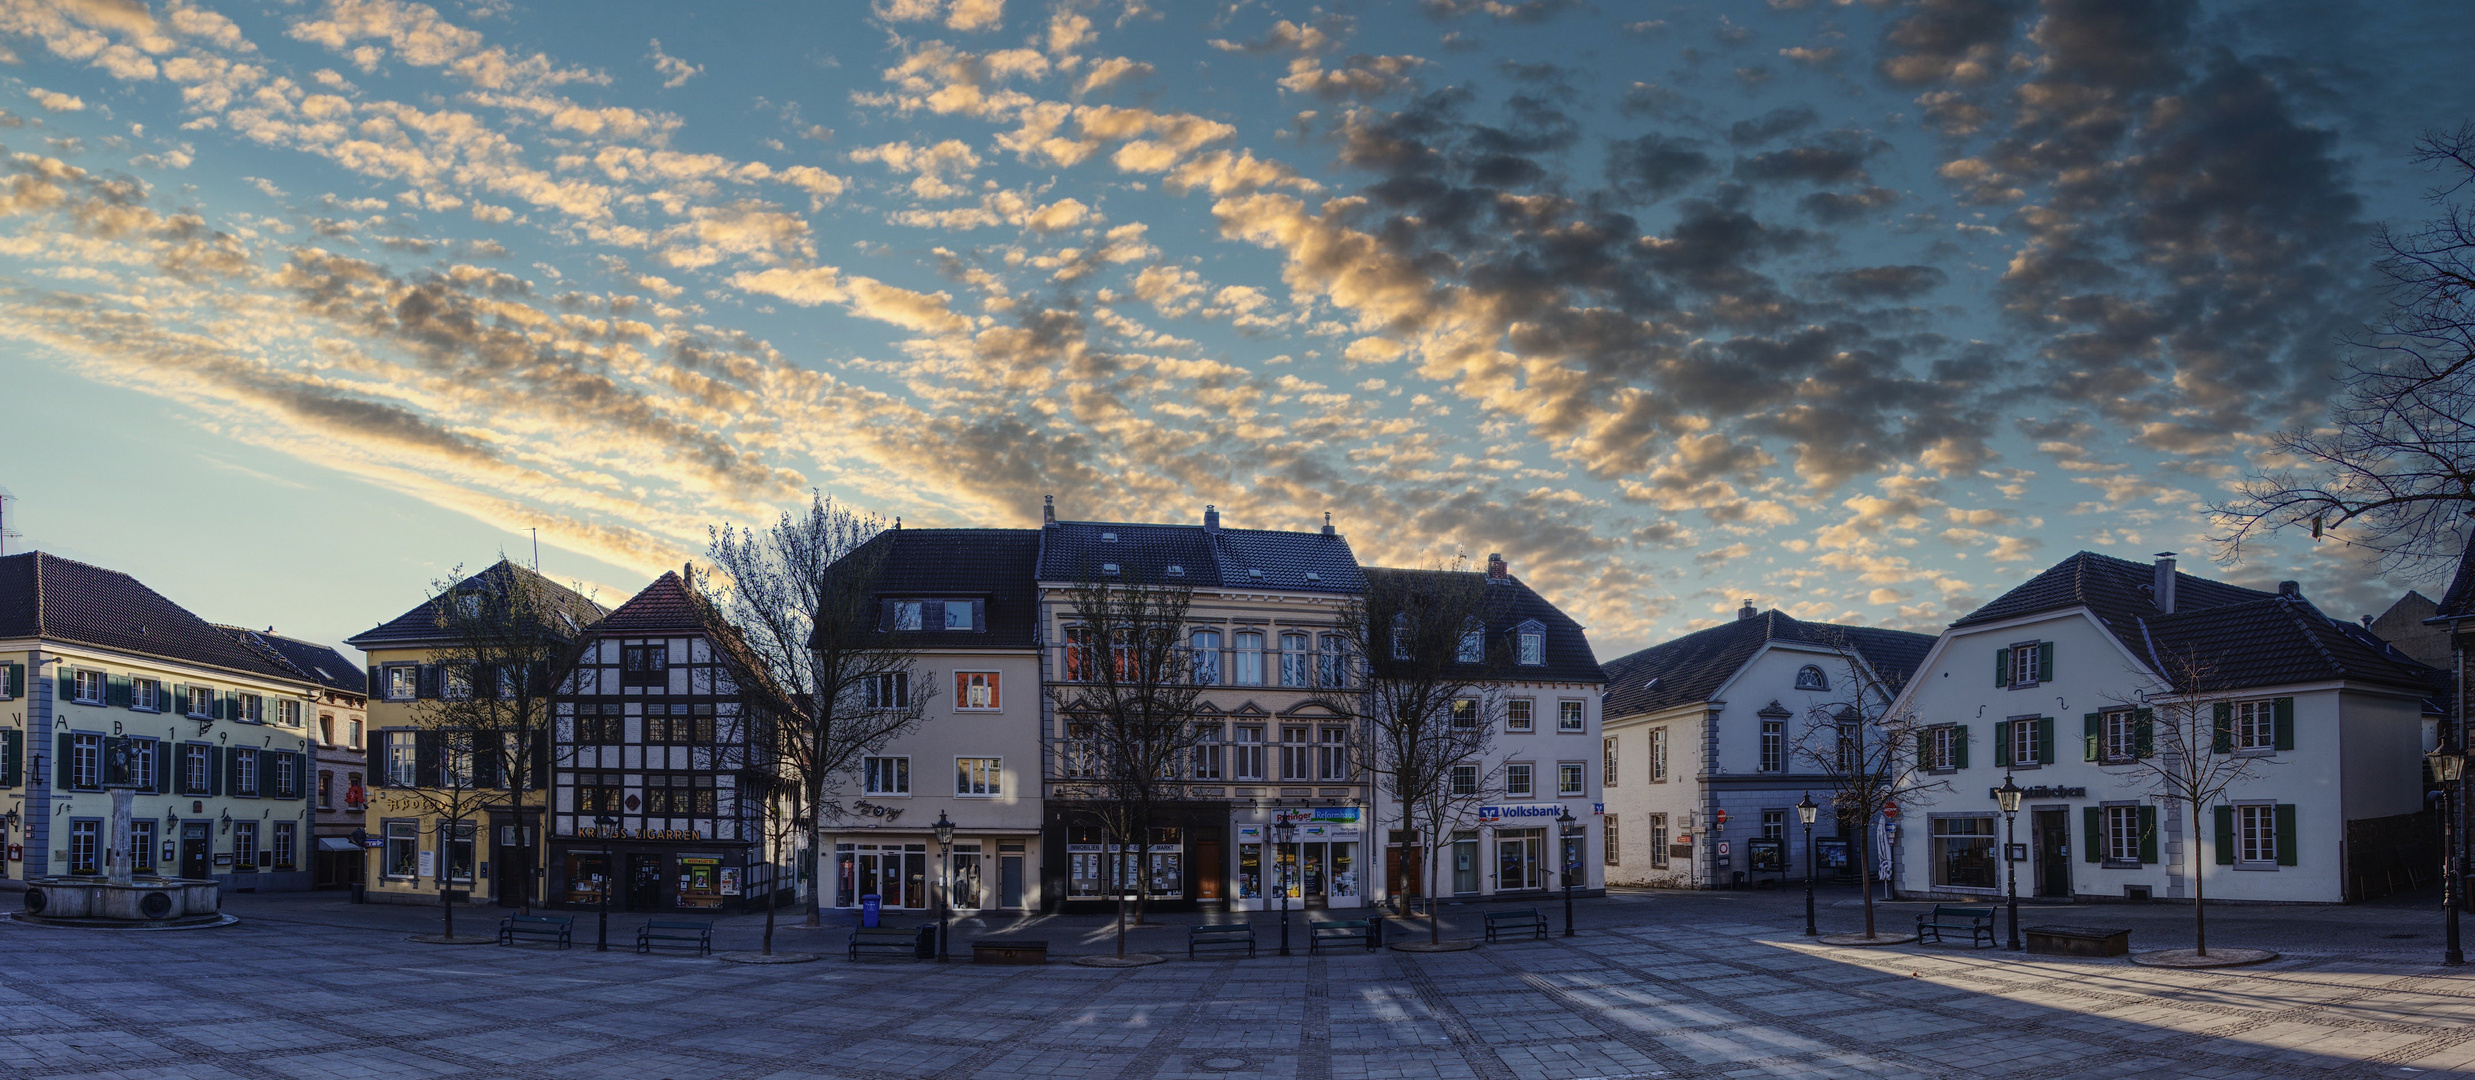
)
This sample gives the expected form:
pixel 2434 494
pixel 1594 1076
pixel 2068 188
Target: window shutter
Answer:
pixel 2144 733
pixel 1924 749
pixel 2148 835
pixel 167 766
pixel 180 700
pixel 425 759
pixel 2045 741
pixel 2285 834
pixel 539 777
pixel 376 686
pixel 67 690
pixel 425 681
pixel 2221 741
pixel 12 745
pixel 2002 668
pixel 60 761
pixel 2045 661
pixel 2092 735
pixel 2092 834
pixel 2002 744
pixel 2225 835
pixel 232 770
pixel 215 756
pixel 485 768
pixel 1959 746
pixel 116 691
pixel 2285 719
pixel 17 680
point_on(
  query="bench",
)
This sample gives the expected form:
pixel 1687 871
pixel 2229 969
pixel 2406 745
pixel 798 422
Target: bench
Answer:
pixel 1008 951
pixel 1515 921
pixel 1221 937
pixel 920 943
pixel 685 933
pixel 2078 940
pixel 558 928
pixel 1978 922
pixel 1369 931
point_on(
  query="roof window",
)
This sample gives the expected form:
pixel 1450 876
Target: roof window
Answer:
pixel 1313 576
pixel 1109 568
pixel 1108 538
pixel 1255 574
pixel 1176 570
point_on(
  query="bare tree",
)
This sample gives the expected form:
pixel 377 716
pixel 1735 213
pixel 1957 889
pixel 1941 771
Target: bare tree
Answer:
pixel 2180 734
pixel 1429 702
pixel 802 594
pixel 1128 700
pixel 1870 752
pixel 2394 469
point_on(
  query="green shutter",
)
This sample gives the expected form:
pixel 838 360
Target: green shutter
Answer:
pixel 1959 746
pixel 2144 733
pixel 2002 667
pixel 2045 661
pixel 2285 834
pixel 116 691
pixel 2002 744
pixel 2092 834
pixel 165 752
pixel 17 680
pixel 2225 836
pixel 2148 835
pixel 2285 723
pixel 2092 735
pixel 12 744
pixel 2045 740
pixel 60 762
pixel 1924 749
pixel 68 686
pixel 214 770
pixel 2222 741
pixel 180 701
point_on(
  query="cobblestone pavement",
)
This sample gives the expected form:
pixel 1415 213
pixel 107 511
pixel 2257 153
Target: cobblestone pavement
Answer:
pixel 1655 986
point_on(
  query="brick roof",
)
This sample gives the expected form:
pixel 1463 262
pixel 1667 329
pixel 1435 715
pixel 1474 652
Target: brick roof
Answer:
pixel 2119 591
pixel 1207 556
pixel 661 607
pixel 419 626
pixel 1693 667
pixel 1511 603
pixel 320 664
pixel 49 598
pixel 996 566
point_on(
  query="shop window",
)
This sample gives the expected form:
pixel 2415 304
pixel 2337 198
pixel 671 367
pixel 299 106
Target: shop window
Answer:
pixel 1519 714
pixel 1963 851
pixel 456 839
pixel 402 851
pixel 1520 859
pixel 587 876
pixel 700 883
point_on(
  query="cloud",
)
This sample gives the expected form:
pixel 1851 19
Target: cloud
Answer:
pixel 674 72
pixel 56 102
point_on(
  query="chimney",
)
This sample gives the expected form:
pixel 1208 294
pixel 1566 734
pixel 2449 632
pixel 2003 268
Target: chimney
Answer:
pixel 1496 569
pixel 1748 611
pixel 1327 523
pixel 1048 510
pixel 1211 520
pixel 2291 590
pixel 2162 589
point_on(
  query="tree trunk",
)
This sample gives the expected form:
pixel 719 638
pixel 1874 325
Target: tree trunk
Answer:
pixel 1865 878
pixel 2199 914
pixel 773 899
pixel 1119 886
pixel 446 901
pixel 1435 910
pixel 810 831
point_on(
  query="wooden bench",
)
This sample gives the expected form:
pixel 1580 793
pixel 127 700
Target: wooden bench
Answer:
pixel 1515 921
pixel 1978 922
pixel 2078 940
pixel 1008 951
pixel 1369 931
pixel 684 933
pixel 920 943
pixel 1220 937
pixel 559 928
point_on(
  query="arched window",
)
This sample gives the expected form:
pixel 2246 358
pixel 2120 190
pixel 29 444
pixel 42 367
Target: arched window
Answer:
pixel 1205 653
pixel 1810 677
pixel 1247 652
pixel 1293 659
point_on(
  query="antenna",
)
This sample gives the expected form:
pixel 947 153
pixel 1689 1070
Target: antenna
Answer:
pixel 5 534
pixel 536 531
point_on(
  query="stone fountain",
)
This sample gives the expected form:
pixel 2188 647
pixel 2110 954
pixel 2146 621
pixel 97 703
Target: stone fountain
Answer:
pixel 121 899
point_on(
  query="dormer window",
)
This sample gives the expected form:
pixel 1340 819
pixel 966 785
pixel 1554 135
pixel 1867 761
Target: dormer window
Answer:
pixel 932 615
pixel 1109 568
pixel 1176 571
pixel 1810 677
pixel 1530 646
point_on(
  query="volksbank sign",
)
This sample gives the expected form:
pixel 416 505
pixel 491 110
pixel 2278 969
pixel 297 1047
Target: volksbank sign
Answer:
pixel 1537 811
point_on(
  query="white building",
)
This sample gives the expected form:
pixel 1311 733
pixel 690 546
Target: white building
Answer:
pixel 2051 684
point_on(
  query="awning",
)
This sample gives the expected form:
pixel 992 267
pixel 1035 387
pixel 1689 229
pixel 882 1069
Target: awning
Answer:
pixel 337 843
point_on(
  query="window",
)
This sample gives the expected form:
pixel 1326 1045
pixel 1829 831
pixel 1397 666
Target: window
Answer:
pixel 906 614
pixel 644 665
pixel 244 846
pixel 1607 771
pixel 600 793
pixel 146 695
pixel 1658 755
pixel 1246 651
pixel 978 776
pixel 1207 752
pixel 1517 783
pixel 1518 714
pixel 1246 758
pixel 1296 758
pixel 1530 647
pixel 250 708
pixel 457 838
pixel 2255 725
pixel 286 842
pixel 1568 779
pixel 88 687
pixel 1402 631
pixel 352 730
pixel 885 775
pixel 679 725
pixel 197 765
pixel 403 682
pixel 142 846
pixel 1293 659
pixel 600 724
pixel 1332 755
pixel 975 690
pixel 1810 677
pixel 244 770
pixel 1465 780
pixel 1658 841
pixel 326 789
pixel 85 854
pixel 1942 749
pixel 1963 851
pixel 2125 834
pixel 1774 824
pixel 403 850
pixel 1465 713
pixel 287 776
pixel 145 756
pixel 86 761
pixel 1774 745
pixel 2027 663
pixel 455 682
pixel 886 690
pixel 326 729
pixel 202 702
pixel 2122 736
pixel 2024 742
pixel 2256 834
pixel 354 797
pixel 1609 847
pixel 1473 646
pixel 1332 661
pixel 1204 651
pixel 680 794
pixel 1568 718
pixel 288 713
pixel 957 614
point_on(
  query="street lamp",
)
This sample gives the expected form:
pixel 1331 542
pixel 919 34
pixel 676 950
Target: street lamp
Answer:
pixel 1806 811
pixel 610 876
pixel 1572 862
pixel 2008 795
pixel 945 878
pixel 1283 833
pixel 2448 767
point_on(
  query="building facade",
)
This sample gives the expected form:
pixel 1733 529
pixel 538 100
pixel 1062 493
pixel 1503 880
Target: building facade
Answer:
pixel 659 725
pixel 417 852
pixel 2059 684
pixel 107 684
pixel 340 709
pixel 1701 748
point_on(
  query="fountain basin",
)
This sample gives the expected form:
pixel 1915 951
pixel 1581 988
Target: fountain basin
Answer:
pixel 144 903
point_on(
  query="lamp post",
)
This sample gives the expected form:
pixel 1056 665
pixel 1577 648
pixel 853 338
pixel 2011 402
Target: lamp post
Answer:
pixel 1564 837
pixel 2448 767
pixel 2009 797
pixel 945 878
pixel 610 877
pixel 1806 811
pixel 1283 831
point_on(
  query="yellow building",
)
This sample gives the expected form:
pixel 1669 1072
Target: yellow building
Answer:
pixel 417 848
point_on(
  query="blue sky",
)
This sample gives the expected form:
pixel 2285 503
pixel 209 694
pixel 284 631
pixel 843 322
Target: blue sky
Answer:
pixel 1864 310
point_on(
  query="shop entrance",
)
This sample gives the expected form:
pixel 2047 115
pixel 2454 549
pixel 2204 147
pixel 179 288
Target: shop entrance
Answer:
pixel 587 874
pixel 896 873
pixel 1404 874
pixel 1208 865
pixel 644 882
pixel 193 851
pixel 1520 861
pixel 2054 852
pixel 963 883
pixel 1010 876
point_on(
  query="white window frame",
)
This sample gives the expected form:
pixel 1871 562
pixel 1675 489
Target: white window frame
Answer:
pixel 1530 647
pixel 1608 760
pixel 1520 715
pixel 2024 742
pixel 1774 747
pixel 876 770
pixel 402 681
pixel 1207 752
pixel 1203 651
pixel 1332 764
pixel 979 777
pixel 83 678
pixel 2024 656
pixel 1247 754
pixel 2118 736
pixel 2255 725
pixel 973 682
pixel 1658 755
pixel 2122 836
pixel 1572 779
pixel 1464 714
pixel 2255 835
pixel 1520 780
pixel 1941 748
pixel 145 695
pixel 1571 717
pixel 1464 780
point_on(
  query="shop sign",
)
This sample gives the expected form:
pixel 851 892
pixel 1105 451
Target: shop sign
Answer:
pixel 1342 814
pixel 1078 849
pixel 1542 811
pixel 596 832
pixel 2043 791
pixel 1250 832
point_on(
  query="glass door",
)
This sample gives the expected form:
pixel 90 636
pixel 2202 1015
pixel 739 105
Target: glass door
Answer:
pixel 1250 872
pixel 1518 853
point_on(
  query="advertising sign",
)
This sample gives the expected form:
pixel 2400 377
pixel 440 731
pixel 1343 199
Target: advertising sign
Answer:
pixel 1520 813
pixel 1765 855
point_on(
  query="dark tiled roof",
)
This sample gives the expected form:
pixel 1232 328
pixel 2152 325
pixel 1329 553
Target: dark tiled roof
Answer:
pixel 47 597
pixel 2119 591
pixel 1693 667
pixel 1229 558
pixel 661 607
pixel 320 664
pixel 419 626
pixel 2459 601
pixel 2272 642
pixel 1512 603
pixel 992 565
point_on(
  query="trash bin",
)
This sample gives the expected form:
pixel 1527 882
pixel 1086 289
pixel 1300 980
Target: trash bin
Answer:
pixel 926 948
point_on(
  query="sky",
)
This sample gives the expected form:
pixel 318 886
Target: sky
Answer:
pixel 1864 310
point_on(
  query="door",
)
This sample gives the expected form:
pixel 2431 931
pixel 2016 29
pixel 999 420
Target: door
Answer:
pixel 644 882
pixel 1010 881
pixel 193 851
pixel 2054 853
pixel 1465 864
pixel 1315 883
pixel 1208 868
pixel 1404 877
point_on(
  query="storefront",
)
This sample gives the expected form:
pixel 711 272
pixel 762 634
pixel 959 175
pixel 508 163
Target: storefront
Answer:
pixel 984 872
pixel 1314 853
pixel 653 870
pixel 1180 865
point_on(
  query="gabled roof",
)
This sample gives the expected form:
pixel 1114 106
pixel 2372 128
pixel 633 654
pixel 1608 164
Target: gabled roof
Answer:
pixel 1693 667
pixel 660 608
pixel 992 565
pixel 320 664
pixel 2274 642
pixel 1510 603
pixel 49 598
pixel 2459 601
pixel 419 626
pixel 2118 591
pixel 1208 556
